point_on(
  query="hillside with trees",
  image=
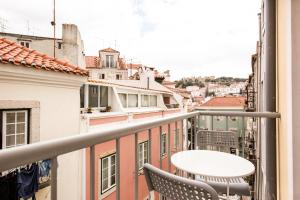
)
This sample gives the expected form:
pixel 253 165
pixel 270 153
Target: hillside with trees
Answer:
pixel 201 82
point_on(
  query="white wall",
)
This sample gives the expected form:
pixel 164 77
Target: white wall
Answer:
pixel 58 95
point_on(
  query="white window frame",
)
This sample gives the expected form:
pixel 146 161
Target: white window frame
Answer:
pixel 148 104
pixel 99 96
pixel 163 144
pixel 110 61
pixel 127 94
pixel 109 185
pixel 141 154
pixel 4 123
pixel 150 101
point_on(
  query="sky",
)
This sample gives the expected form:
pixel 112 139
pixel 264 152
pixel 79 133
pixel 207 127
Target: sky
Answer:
pixel 188 37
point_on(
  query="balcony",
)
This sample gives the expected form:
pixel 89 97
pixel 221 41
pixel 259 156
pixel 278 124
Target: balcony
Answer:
pixel 187 125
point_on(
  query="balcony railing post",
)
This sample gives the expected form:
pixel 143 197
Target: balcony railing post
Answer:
pixel 182 136
pixel 243 136
pixel 118 168
pixel 149 146
pixel 54 166
pixel 92 172
pixel 136 173
pixel 169 147
pixel 160 147
pixel 187 134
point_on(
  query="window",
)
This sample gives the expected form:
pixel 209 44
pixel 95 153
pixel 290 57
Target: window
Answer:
pixel 123 99
pixel 153 100
pixel 93 95
pixel 220 118
pixel 82 96
pixel 101 76
pixel 108 172
pixel 14 128
pixel 176 138
pixel 163 144
pixel 129 100
pixel 110 61
pixel 25 44
pixel 59 45
pixel 118 76
pixel 98 96
pixel 145 100
pixel 103 96
pixel 132 100
pixel 143 154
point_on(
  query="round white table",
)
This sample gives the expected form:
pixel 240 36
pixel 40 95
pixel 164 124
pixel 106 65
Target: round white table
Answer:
pixel 213 164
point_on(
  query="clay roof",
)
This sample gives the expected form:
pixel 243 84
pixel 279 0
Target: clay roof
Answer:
pixel 225 102
pixel 92 61
pixel 110 50
pixel 122 63
pixel 11 52
pixel 133 66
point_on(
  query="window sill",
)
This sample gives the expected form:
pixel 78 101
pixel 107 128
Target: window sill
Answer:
pixel 107 192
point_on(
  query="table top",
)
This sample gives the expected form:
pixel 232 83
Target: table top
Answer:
pixel 212 163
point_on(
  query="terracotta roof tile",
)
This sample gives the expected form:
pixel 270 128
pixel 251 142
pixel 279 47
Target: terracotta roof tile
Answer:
pixel 133 66
pixel 11 52
pixel 225 101
pixel 92 61
pixel 110 50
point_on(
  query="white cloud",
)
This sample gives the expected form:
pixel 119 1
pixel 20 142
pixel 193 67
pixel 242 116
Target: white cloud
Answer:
pixel 189 37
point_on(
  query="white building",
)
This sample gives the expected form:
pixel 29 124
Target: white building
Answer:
pixel 69 48
pixel 108 65
pixel 39 101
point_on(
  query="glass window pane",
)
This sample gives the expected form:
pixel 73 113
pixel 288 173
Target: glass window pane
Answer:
pixel 113 180
pixel 10 140
pixel 145 100
pixel 21 128
pixel 123 99
pixel 21 117
pixel 104 184
pixel 93 96
pixel 82 96
pixel 153 100
pixel 103 96
pixel 104 163
pixel 21 139
pixel 113 160
pixel 132 100
pixel 10 129
pixel 10 117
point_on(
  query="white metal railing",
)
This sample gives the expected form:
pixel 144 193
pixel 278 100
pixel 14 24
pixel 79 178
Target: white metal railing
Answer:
pixel 18 156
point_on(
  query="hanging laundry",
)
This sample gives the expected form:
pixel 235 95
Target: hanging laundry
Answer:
pixel 44 168
pixel 8 187
pixel 28 182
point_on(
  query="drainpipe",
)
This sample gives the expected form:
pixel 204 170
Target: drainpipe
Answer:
pixel 270 100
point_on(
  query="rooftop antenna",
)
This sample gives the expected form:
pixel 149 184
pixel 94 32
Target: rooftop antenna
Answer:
pixel 53 23
pixel 28 27
pixel 3 25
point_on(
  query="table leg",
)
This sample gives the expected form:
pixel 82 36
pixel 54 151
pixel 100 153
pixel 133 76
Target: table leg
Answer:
pixel 227 180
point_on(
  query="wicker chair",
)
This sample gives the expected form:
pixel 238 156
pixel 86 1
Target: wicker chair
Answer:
pixel 177 188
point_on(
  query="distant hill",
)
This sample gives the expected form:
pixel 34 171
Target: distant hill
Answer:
pixel 202 81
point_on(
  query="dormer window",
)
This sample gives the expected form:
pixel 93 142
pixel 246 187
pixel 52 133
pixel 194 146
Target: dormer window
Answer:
pixel 25 44
pixel 110 61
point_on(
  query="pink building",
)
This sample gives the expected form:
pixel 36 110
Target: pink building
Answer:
pixel 108 104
